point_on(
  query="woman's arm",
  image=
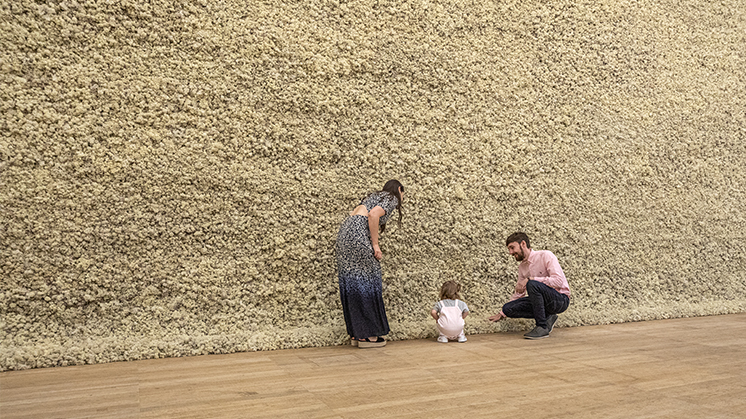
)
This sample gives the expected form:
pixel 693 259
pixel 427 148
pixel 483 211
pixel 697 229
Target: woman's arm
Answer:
pixel 373 216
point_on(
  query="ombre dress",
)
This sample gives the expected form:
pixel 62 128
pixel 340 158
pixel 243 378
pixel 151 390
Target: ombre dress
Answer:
pixel 360 275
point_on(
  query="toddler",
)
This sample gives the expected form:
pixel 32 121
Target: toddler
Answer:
pixel 450 313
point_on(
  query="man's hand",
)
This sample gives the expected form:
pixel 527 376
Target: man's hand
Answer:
pixel 497 317
pixel 520 286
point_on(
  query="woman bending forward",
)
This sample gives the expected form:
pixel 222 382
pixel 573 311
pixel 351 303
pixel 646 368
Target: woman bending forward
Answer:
pixel 359 266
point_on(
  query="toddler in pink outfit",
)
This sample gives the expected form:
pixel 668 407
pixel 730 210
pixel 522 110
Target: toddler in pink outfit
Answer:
pixel 450 313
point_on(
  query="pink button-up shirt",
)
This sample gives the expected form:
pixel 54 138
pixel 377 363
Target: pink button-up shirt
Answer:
pixel 542 266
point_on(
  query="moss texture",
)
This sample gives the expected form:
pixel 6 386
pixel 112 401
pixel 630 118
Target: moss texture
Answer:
pixel 173 174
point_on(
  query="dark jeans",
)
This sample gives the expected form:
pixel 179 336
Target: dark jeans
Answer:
pixel 542 301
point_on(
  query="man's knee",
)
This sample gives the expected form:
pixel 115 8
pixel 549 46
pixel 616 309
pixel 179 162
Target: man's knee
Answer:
pixel 532 285
pixel 517 308
pixel 510 309
pixel 507 309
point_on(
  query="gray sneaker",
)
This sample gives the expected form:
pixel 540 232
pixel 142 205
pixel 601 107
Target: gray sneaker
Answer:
pixel 550 322
pixel 537 333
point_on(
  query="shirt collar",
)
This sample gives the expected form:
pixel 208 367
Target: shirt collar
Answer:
pixel 531 256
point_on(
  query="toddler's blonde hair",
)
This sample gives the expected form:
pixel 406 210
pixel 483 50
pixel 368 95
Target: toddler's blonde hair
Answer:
pixel 450 290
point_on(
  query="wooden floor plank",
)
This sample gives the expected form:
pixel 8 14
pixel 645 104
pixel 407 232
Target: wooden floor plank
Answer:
pixel 674 368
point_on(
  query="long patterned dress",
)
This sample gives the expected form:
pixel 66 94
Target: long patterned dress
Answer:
pixel 360 275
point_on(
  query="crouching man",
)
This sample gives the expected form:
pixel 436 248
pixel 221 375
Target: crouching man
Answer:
pixel 539 275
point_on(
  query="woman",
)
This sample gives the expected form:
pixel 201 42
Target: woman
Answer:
pixel 359 267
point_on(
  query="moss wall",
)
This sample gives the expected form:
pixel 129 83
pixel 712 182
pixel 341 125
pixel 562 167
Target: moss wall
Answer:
pixel 172 174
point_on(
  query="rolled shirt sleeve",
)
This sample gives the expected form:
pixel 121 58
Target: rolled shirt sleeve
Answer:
pixel 543 266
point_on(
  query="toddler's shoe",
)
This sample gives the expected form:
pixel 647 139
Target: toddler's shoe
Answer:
pixel 461 338
pixel 442 339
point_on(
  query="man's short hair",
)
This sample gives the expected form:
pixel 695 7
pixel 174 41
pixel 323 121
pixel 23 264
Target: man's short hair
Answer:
pixel 518 237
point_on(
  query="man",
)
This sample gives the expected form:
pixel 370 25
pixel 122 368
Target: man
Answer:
pixel 539 274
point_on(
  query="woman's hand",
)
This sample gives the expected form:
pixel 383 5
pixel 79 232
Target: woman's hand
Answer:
pixel 373 216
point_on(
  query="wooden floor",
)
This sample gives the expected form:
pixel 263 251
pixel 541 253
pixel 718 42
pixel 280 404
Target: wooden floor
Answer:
pixel 682 368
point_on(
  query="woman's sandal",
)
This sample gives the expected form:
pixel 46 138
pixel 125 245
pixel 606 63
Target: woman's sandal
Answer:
pixel 353 342
pixel 367 343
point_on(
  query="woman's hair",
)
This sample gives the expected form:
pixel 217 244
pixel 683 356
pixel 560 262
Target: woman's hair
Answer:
pixel 450 290
pixel 392 187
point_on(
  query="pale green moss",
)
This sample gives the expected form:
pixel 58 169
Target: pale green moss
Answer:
pixel 172 176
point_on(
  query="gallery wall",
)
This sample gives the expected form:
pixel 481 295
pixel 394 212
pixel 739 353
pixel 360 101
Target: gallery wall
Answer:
pixel 173 174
